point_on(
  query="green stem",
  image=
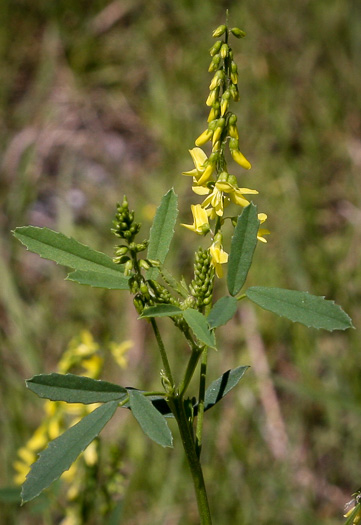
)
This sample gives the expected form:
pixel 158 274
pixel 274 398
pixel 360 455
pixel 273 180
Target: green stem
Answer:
pixel 162 350
pixel 202 390
pixel 177 406
pixel 192 365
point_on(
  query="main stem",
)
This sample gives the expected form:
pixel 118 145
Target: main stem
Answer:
pixel 177 405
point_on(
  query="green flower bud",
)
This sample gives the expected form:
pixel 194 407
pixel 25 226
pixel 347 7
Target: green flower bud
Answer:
pixel 215 48
pixel 212 97
pixel 201 286
pixel 121 259
pixel 234 92
pixel 224 50
pixel 237 32
pixel 143 263
pixel 234 72
pixel 121 250
pixel 139 305
pixel 128 267
pixel 217 80
pixel 214 63
pixel 219 31
pixel 154 263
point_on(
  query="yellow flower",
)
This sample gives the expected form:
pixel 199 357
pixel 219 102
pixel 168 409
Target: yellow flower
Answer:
pixel 219 257
pixel 215 199
pixel 225 184
pixel 118 352
pixel 200 220
pixel 199 158
pixel 262 231
pixel 204 137
pixel 240 159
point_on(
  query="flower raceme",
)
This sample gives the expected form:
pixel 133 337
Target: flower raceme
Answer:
pixel 211 178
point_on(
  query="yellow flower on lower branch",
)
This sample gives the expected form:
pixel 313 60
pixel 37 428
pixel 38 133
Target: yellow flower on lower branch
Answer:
pixel 219 257
pixel 200 220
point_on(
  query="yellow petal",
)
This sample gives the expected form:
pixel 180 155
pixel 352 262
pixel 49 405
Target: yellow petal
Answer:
pixel 240 159
pixel 198 157
pixel 201 190
pixel 204 137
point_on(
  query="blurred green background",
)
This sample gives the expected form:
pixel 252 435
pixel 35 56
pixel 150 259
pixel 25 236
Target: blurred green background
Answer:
pixel 101 98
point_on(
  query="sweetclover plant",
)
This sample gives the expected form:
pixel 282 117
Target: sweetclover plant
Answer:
pixel 232 227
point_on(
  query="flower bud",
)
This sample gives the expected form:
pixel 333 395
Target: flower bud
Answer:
pixel 215 48
pixel 218 131
pixel 234 72
pixel 143 263
pixel 240 158
pixel 204 137
pixel 233 132
pixel 121 250
pixel 234 92
pixel 128 267
pixel 225 102
pixel 212 97
pixel 217 80
pixel 237 32
pixel 224 50
pixel 219 31
pixel 214 63
pixel 139 305
pixel 121 259
pixel 214 113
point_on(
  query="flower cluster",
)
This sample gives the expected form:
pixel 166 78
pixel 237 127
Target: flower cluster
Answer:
pixel 211 178
pixel 82 355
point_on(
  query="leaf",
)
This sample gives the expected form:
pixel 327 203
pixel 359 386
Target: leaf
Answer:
pixel 222 311
pixel 161 310
pixel 99 279
pixel 63 451
pixel 162 230
pixel 65 250
pixel 157 401
pixel 243 244
pixel 221 386
pixel 301 307
pixel 199 325
pixel 151 421
pixel 75 389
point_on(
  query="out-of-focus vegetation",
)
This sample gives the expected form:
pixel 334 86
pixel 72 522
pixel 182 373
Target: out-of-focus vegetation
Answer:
pixel 98 99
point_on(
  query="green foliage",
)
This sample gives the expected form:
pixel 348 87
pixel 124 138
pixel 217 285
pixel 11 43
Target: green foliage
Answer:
pixel 68 252
pixel 151 421
pixel 243 245
pixel 162 230
pixel 221 386
pixel 99 279
pixel 161 310
pixel 301 307
pixel 222 311
pixel 200 327
pixel 75 389
pixel 64 450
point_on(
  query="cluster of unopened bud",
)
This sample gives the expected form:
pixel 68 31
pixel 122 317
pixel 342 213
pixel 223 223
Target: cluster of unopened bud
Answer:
pixel 223 88
pixel 149 293
pixel 201 286
pixel 124 225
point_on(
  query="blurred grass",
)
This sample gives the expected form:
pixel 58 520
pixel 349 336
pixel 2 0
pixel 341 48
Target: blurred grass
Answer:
pixel 104 98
